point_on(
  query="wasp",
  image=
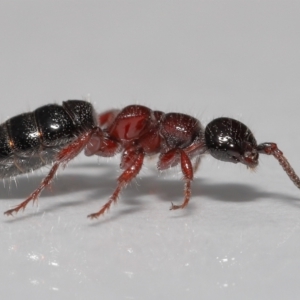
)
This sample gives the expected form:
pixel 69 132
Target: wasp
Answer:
pixel 55 134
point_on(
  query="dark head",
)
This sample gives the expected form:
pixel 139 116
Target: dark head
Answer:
pixel 230 140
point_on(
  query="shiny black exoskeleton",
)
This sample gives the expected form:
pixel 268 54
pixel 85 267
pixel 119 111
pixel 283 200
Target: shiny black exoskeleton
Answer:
pixel 31 140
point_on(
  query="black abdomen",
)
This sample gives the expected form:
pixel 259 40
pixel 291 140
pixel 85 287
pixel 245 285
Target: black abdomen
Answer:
pixel 32 140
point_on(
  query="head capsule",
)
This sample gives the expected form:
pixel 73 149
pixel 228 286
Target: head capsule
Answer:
pixel 230 140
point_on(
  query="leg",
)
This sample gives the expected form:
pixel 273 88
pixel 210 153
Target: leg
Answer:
pixel 35 194
pixel 172 158
pixel 188 174
pixel 168 160
pixel 63 157
pixel 136 158
pixel 101 144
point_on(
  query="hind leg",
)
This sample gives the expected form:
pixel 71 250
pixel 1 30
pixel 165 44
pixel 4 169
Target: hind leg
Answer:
pixel 63 157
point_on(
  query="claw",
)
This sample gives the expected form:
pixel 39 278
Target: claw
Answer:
pixel 93 216
pixel 9 212
pixel 173 206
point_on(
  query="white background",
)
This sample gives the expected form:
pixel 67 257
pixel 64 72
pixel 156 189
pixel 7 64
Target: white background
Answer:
pixel 240 236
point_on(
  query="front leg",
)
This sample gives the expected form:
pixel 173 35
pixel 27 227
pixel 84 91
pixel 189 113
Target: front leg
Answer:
pixel 188 175
pixel 170 159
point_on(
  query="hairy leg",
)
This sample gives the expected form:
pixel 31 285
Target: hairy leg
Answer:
pixel 132 162
pixel 63 157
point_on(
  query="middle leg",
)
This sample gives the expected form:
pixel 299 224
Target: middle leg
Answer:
pixel 132 162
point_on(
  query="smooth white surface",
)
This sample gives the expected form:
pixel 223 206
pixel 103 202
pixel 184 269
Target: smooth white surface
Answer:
pixel 240 236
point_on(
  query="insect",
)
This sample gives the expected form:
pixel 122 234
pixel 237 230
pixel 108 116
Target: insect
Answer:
pixel 55 134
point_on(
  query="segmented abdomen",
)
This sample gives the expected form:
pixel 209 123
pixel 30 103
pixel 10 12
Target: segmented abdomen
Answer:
pixel 31 140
